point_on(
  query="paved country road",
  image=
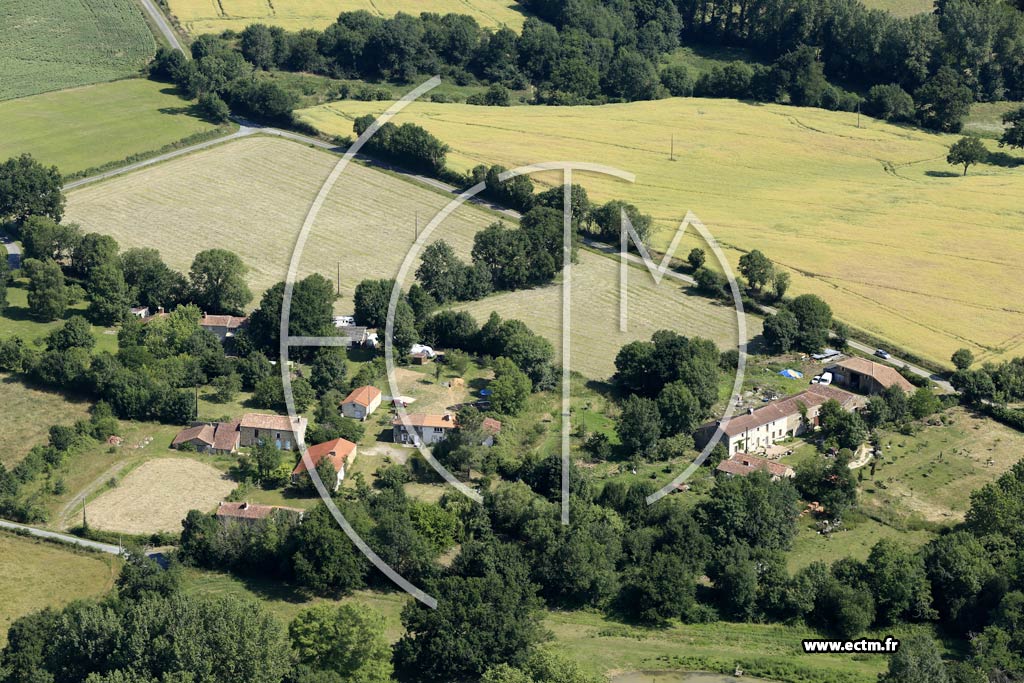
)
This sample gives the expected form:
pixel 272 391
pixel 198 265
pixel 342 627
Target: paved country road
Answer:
pixel 63 538
pixel 163 25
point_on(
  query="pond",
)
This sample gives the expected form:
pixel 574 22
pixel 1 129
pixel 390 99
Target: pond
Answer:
pixel 681 677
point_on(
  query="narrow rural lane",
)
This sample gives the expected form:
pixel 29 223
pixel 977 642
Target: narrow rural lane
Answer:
pixel 163 25
pixel 13 251
pixel 63 538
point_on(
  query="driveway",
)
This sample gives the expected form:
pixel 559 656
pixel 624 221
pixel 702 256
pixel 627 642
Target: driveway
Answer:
pixel 63 538
pixel 13 251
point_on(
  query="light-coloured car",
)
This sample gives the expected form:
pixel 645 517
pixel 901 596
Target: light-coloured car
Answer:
pixel 882 353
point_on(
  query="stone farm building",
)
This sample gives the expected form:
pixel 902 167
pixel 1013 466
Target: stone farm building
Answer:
pixel 209 437
pixel 867 376
pixel 361 403
pixel 760 428
pixel 742 464
pixel 339 452
pixel 224 326
pixel 280 430
pixel 250 513
pixel 426 429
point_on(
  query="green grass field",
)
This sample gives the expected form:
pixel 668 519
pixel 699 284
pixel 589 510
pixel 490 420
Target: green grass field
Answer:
pixel 872 217
pixel 931 474
pixel 902 8
pixel 53 44
pixel 87 127
pixel 252 195
pixel 28 414
pixel 215 16
pixel 986 118
pixel 287 603
pixel 16 321
pixel 38 575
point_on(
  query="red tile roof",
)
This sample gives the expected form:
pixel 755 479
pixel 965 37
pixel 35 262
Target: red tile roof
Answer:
pixel 364 396
pixel 225 437
pixel 203 433
pixel 281 423
pixel 491 426
pixel 886 375
pixel 337 451
pixel 743 464
pixel 814 396
pixel 446 421
pixel 231 322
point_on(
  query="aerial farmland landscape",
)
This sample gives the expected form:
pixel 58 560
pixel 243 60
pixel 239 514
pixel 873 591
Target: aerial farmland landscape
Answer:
pixel 511 341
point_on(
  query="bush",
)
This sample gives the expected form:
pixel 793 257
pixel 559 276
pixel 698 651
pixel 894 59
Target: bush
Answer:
pixel 677 81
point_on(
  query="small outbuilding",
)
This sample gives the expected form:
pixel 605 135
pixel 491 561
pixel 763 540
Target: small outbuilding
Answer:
pixel 361 402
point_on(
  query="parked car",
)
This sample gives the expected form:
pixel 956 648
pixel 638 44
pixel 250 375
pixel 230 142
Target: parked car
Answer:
pixel 882 353
pixel 825 378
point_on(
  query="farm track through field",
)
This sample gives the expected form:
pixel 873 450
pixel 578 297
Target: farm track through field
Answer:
pixel 89 489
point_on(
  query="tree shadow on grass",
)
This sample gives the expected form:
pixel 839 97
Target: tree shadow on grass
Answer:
pixel 942 174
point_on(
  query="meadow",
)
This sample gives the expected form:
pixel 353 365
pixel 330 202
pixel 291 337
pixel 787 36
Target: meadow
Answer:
pixel 28 414
pixel 156 496
pixel 251 196
pixel 870 217
pixel 38 574
pixel 87 127
pixel 215 16
pixel 902 8
pixel 53 44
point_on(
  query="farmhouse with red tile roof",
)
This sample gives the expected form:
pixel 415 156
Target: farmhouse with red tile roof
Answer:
pixel 339 452
pixel 361 403
pixel 742 464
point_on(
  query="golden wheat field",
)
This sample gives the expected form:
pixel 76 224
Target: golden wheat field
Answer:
pixel 872 218
pixel 252 195
pixel 214 16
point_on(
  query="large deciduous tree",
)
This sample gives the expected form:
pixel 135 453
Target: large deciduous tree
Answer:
pixel 217 279
pixel 27 188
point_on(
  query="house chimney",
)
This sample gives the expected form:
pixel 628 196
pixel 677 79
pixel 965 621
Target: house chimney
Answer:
pixel 160 310
pixel 750 411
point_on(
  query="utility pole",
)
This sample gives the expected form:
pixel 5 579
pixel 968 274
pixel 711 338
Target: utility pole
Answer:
pixel 672 149
pixel 339 278
pixel 858 113
pixel 417 231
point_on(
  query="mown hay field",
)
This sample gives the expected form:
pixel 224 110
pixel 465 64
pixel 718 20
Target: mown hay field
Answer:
pixel 53 44
pixel 214 16
pixel 252 195
pixel 157 495
pixel 28 415
pixel 872 218
pixel 86 127
pixel 595 336
pixel 38 575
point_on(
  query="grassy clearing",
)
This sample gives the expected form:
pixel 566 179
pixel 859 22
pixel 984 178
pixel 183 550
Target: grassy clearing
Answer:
pixel 902 8
pixel 596 336
pixel 699 59
pixel 207 16
pixel 53 44
pixel 38 575
pixel 986 118
pixel 931 474
pixel 28 415
pixel 99 124
pixel 855 541
pixel 287 603
pixel 608 647
pixel 157 495
pixel 16 321
pixel 870 218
